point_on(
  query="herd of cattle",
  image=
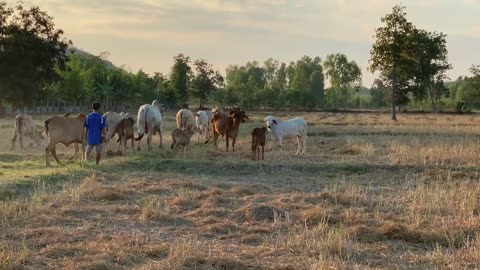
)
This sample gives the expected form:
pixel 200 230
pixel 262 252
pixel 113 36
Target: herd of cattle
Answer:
pixel 68 129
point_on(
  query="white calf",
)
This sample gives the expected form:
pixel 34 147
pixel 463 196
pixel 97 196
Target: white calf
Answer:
pixel 202 120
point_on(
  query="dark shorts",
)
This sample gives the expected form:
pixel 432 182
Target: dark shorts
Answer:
pixel 98 148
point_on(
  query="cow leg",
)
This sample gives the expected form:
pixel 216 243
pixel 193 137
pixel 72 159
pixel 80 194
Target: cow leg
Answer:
pixel 33 139
pixel 233 144
pixel 105 151
pixel 304 144
pixel 253 151
pixel 149 141
pixel 280 145
pixel 76 148
pixel 13 140
pixel 119 145
pixel 124 142
pixel 47 151
pixel 133 146
pixel 84 150
pixel 160 135
pixel 21 142
pixel 263 148
pixel 54 154
pixel 226 142
pixel 215 138
pixel 299 144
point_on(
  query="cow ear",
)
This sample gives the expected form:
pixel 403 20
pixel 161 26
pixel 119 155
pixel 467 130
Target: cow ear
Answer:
pixel 232 112
pixel 275 122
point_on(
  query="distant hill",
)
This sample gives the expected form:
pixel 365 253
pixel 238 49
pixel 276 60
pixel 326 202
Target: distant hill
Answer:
pixel 81 52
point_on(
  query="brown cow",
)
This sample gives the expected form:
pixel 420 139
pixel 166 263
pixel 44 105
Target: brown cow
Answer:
pixel 66 130
pixel 258 140
pixel 227 125
pixel 124 129
pixel 25 127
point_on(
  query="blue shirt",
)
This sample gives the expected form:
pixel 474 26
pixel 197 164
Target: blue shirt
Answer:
pixel 95 123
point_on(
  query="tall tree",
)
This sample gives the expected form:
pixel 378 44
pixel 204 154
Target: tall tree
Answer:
pixel 391 49
pixel 317 85
pixel 31 52
pixel 344 76
pixel 431 59
pixel 205 81
pixel 180 77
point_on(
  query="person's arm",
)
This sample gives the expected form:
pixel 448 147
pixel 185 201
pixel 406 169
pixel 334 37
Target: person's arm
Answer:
pixel 104 130
pixel 85 125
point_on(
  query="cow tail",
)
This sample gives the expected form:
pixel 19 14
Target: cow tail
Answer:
pixel 145 123
pixel 45 126
pixel 141 131
pixel 19 124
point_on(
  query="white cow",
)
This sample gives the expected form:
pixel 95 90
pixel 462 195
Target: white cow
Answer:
pixel 184 119
pixel 296 127
pixel 202 120
pixel 149 121
pixel 26 127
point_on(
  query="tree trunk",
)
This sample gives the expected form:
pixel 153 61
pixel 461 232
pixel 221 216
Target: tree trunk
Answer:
pixel 432 97
pixel 394 91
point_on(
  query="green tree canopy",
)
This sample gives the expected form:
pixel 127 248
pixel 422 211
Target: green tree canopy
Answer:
pixel 32 51
pixel 205 81
pixel 344 76
pixel 391 53
pixel 180 77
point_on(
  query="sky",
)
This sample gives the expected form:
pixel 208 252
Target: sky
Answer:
pixel 146 34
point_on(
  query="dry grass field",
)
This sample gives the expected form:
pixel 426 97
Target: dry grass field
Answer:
pixel 368 194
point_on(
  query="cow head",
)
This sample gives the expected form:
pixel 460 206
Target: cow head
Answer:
pixel 38 134
pixel 161 107
pixel 190 132
pixel 270 121
pixel 238 116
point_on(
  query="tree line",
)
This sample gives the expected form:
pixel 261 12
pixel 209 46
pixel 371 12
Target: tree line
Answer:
pixel 37 62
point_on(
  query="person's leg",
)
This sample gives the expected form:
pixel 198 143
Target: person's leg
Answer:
pixel 89 150
pixel 98 148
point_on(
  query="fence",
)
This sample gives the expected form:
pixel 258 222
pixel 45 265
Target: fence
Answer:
pixel 57 106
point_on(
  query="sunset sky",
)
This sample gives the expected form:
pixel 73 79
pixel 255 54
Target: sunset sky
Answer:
pixel 148 33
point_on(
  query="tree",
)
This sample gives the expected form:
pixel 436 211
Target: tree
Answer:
pixel 301 81
pixel 32 51
pixel 344 76
pixel 379 93
pixel 431 59
pixel 467 90
pixel 205 81
pixel 317 86
pixel 279 83
pixel 180 77
pixel 391 50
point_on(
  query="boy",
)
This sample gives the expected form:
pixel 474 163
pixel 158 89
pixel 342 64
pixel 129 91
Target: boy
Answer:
pixel 95 132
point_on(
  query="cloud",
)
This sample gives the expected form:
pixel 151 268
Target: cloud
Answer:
pixel 231 31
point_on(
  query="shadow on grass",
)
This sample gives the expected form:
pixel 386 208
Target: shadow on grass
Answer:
pixel 10 158
pixel 217 170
